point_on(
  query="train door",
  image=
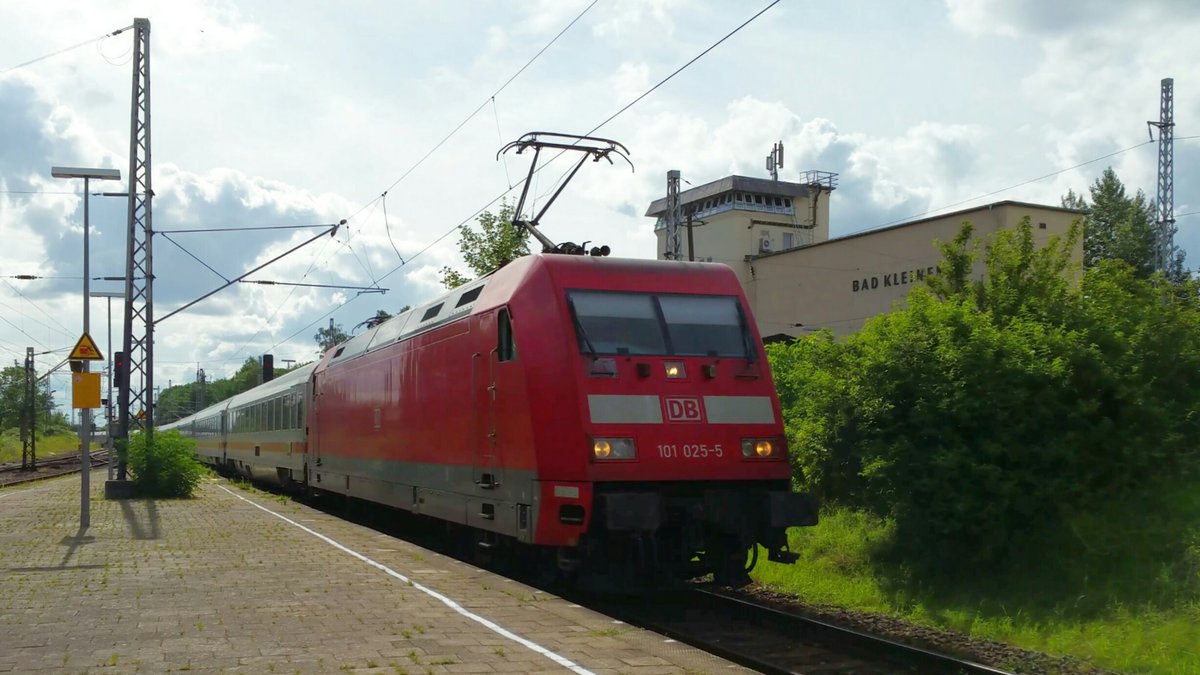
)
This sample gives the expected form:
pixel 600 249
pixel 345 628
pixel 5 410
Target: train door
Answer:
pixel 487 377
pixel 223 439
pixel 312 428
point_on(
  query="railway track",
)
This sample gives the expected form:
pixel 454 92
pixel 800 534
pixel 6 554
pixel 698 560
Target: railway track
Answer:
pixel 769 640
pixel 58 465
pixel 755 636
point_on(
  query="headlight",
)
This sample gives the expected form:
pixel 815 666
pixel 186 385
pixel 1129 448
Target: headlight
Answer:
pixel 675 370
pixel 760 448
pixel 614 448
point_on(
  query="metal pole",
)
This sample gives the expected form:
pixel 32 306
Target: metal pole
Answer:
pixel 108 443
pixel 33 420
pixel 691 244
pixel 85 428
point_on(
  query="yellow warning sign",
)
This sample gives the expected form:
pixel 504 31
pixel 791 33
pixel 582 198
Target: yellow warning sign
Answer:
pixel 86 350
pixel 85 390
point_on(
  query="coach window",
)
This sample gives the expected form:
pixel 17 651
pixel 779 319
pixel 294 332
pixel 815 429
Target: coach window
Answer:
pixel 506 344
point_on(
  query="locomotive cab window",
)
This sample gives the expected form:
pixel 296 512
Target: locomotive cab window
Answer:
pixel 659 324
pixel 704 325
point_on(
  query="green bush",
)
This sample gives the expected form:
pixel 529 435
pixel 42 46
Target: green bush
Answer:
pixel 166 467
pixel 991 419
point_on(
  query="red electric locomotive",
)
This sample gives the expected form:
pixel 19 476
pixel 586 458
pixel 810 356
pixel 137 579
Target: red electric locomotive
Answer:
pixel 615 411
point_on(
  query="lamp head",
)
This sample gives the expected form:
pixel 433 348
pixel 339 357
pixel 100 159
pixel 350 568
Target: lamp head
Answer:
pixel 82 172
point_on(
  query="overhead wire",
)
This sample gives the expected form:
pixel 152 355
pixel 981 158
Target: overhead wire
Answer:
pixel 442 142
pixel 668 78
pixel 16 290
pixel 121 60
pixel 387 226
pixel 468 118
pixel 366 268
pixel 475 112
pixel 65 50
pixel 22 331
pixel 192 255
pixel 500 138
pixel 610 118
pixel 281 305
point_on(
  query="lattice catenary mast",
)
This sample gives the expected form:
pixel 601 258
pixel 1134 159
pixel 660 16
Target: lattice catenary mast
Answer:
pixel 135 402
pixel 1165 222
pixel 674 245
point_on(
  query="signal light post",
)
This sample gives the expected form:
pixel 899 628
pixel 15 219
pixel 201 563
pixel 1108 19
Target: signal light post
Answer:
pixel 112 363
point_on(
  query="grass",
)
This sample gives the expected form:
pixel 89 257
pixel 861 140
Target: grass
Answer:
pixel 47 446
pixel 1138 615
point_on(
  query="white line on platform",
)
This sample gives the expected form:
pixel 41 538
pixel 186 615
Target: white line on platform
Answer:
pixel 487 623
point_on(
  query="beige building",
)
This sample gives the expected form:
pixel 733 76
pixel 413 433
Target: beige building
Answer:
pixel 775 235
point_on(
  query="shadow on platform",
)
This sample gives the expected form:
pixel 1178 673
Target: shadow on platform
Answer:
pixel 141 525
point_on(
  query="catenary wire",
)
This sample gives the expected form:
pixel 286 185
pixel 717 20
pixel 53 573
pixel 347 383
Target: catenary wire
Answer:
pixel 388 227
pixel 65 49
pixel 22 331
pixel 593 130
pixel 500 137
pixel 281 305
pixel 439 144
pixel 192 255
pixel 468 118
pixel 681 69
pixel 16 290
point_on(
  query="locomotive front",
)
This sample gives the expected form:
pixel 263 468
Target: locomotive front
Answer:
pixel 683 447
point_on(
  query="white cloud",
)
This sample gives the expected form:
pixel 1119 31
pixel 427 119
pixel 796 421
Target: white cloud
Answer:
pixel 628 19
pixel 630 81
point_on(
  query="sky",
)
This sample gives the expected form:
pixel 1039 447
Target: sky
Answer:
pixel 389 115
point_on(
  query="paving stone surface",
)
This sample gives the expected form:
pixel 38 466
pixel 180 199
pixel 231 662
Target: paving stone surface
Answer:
pixel 215 584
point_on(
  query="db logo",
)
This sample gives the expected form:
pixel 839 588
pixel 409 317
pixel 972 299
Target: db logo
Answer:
pixel 683 410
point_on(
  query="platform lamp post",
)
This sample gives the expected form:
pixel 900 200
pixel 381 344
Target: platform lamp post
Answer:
pixel 85 428
pixel 108 417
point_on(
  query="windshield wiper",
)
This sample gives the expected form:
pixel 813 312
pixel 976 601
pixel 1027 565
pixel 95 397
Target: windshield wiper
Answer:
pixel 579 327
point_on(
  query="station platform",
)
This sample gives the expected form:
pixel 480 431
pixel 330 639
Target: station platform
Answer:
pixel 243 581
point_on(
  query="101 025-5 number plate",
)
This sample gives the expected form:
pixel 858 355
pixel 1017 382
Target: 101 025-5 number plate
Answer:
pixel 690 451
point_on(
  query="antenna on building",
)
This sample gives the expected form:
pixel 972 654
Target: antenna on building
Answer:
pixel 1164 239
pixel 775 160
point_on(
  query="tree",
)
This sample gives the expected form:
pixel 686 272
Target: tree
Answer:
pixel 330 337
pixel 1120 227
pixel 497 243
pixel 13 399
pixel 988 417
